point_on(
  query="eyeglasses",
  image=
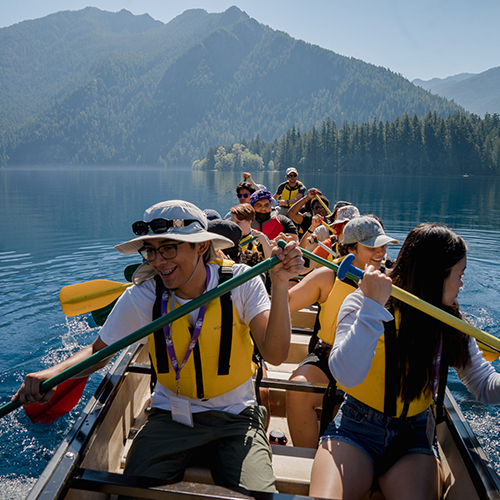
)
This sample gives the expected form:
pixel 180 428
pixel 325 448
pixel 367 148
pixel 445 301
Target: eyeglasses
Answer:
pixel 292 175
pixel 159 226
pixel 243 195
pixel 166 251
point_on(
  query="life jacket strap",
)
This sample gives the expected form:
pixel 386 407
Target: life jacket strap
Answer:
pixel 226 334
pixel 391 369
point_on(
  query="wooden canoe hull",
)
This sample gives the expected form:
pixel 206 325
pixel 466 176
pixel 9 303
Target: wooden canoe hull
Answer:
pixel 88 464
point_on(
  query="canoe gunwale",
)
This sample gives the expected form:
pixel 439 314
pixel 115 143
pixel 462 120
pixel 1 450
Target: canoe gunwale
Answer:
pixel 483 476
pixel 55 479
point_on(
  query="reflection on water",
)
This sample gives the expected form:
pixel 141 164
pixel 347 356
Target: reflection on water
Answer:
pixel 58 227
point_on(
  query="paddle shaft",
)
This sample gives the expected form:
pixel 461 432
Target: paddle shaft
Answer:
pixel 172 316
pixel 328 211
pixel 421 305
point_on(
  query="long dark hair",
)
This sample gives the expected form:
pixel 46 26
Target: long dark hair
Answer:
pixel 424 262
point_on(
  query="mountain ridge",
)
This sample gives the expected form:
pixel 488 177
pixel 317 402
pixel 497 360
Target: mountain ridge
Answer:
pixel 129 89
pixel 478 93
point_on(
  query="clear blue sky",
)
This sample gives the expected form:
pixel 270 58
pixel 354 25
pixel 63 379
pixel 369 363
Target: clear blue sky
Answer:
pixel 416 38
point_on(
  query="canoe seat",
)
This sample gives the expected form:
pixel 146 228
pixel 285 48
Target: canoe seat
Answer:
pixel 291 465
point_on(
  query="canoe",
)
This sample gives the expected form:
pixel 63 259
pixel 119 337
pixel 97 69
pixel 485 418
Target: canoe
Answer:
pixel 89 462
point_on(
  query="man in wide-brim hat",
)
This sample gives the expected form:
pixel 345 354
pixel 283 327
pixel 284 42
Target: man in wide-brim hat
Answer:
pixel 204 405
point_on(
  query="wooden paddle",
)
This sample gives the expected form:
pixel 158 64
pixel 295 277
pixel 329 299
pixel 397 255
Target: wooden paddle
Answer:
pixel 164 320
pixel 347 269
pixel 90 296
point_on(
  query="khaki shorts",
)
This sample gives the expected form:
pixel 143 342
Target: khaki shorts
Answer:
pixel 234 447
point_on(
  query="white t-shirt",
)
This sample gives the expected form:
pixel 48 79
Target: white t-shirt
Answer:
pixel 134 310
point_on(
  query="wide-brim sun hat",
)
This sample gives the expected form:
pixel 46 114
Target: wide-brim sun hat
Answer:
pixel 346 213
pixel 187 224
pixel 367 231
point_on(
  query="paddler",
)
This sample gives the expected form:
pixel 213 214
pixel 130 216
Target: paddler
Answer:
pixel 290 191
pixel 204 403
pixel 251 239
pixel 392 362
pixel 268 220
pixel 312 207
pixel 365 238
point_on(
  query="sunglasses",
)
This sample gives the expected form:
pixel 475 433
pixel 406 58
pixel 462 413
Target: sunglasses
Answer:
pixel 159 226
pixel 243 195
pixel 292 175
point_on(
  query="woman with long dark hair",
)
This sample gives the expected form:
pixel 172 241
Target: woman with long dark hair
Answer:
pixel 392 362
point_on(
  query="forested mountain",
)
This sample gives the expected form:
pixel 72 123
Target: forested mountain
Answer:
pixel 479 94
pixel 113 88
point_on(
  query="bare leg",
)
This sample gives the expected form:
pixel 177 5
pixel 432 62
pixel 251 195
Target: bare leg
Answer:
pixel 341 471
pixel 301 407
pixel 413 477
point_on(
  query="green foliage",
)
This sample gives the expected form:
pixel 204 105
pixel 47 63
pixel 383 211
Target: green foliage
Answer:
pixel 457 145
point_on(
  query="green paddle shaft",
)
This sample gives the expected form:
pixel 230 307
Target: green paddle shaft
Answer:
pixel 172 316
pixel 421 305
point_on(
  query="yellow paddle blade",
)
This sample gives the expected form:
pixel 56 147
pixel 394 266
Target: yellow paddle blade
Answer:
pixel 488 353
pixel 86 297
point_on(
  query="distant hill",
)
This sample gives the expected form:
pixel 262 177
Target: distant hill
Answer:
pixel 113 88
pixel 435 85
pixel 479 94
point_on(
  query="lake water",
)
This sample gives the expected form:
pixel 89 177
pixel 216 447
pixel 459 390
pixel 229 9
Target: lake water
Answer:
pixel 58 227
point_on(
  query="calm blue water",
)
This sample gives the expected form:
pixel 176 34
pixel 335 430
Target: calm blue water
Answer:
pixel 58 227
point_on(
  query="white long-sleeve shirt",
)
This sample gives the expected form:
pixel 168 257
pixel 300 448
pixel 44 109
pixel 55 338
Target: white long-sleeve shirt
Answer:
pixel 360 325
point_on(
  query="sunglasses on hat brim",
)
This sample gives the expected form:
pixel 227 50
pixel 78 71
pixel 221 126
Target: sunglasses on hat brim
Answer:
pixel 159 226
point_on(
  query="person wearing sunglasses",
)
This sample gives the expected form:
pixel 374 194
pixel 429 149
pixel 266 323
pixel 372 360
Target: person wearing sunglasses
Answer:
pixel 290 191
pixel 203 405
pixel 303 211
pixel 243 191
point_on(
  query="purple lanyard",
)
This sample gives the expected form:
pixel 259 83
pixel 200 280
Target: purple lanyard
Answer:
pixel 437 365
pixel 168 335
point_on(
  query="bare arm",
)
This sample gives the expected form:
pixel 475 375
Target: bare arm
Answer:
pixel 29 392
pixel 315 287
pixel 272 329
pixel 248 178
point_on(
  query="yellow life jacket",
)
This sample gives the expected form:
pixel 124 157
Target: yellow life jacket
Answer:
pixel 372 391
pixel 330 309
pixel 289 193
pixel 221 359
pixel 249 243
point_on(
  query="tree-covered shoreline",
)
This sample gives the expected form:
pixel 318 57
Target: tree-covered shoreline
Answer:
pixel 456 145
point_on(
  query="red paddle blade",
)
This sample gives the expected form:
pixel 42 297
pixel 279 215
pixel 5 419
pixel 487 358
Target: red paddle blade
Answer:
pixel 64 400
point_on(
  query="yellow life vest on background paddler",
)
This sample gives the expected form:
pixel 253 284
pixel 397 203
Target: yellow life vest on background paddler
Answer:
pixel 290 193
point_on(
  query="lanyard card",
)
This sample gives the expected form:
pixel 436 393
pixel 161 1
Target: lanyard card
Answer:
pixel 181 410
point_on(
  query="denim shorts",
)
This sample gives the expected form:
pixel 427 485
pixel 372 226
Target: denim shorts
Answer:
pixel 384 439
